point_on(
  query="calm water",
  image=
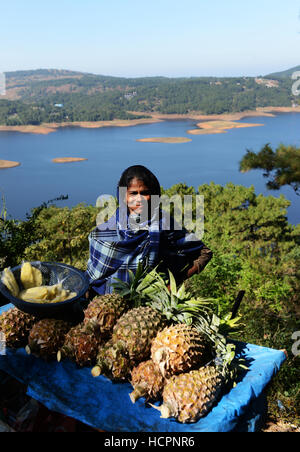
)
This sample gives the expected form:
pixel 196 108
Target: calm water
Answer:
pixel 110 150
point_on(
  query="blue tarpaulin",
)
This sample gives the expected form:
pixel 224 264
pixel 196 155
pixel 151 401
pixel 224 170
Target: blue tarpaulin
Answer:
pixel 105 405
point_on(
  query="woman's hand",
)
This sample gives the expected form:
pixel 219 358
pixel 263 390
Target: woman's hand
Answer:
pixel 191 271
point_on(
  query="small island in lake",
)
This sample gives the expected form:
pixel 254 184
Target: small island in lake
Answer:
pixel 8 164
pixel 68 159
pixel 208 127
pixel 165 140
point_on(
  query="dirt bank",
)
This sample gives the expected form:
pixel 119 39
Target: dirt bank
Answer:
pixel 219 127
pixel 68 159
pixel 165 140
pixel 44 129
pixel 153 117
pixel 8 164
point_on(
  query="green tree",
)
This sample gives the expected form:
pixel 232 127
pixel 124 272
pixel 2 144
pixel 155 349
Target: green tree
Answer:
pixel 281 167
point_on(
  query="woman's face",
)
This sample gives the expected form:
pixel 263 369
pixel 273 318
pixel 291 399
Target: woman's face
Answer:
pixel 137 197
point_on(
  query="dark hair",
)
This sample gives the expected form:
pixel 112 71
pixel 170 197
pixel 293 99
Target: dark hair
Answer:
pixel 142 173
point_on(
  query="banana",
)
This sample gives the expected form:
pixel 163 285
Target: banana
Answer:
pixel 10 282
pixel 30 276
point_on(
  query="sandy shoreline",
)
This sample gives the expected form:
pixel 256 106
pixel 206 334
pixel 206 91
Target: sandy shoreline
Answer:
pixel 209 127
pixel 8 164
pixel 165 140
pixel 261 111
pixel 46 128
pixel 68 159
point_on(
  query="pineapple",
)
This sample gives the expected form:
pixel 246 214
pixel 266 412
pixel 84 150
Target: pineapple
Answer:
pixel 136 329
pixel 189 396
pixel 139 326
pixel 80 345
pixel 16 325
pixel 178 348
pixel 147 381
pixel 112 361
pixel 46 294
pixel 9 280
pixel 103 312
pixel 30 276
pixel 47 337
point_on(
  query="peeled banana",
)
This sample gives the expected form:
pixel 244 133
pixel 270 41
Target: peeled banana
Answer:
pixel 10 282
pixel 30 276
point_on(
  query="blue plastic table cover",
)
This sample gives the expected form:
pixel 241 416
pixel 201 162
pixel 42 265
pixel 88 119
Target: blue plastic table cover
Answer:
pixel 105 405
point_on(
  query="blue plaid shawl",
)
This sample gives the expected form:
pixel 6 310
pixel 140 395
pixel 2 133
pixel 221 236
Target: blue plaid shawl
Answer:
pixel 115 248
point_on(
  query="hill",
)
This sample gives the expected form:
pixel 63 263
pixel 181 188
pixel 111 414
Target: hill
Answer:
pixel 283 74
pixel 55 96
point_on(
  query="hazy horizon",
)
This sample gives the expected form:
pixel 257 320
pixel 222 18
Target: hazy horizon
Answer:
pixel 134 39
pixel 150 76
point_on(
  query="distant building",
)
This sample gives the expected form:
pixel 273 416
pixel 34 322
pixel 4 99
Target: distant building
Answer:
pixel 129 96
pixel 267 83
pixel 58 105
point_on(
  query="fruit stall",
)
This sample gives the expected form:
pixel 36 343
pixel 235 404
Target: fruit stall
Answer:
pixel 99 386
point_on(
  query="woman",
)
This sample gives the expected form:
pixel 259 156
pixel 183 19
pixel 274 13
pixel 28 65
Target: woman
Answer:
pixel 141 232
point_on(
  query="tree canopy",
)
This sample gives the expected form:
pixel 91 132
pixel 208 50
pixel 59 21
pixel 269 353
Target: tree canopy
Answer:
pixel 48 96
pixel 281 166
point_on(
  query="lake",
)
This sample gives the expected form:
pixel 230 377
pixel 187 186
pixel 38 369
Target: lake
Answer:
pixel 110 150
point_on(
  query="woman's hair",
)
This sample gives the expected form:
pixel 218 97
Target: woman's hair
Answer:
pixel 142 173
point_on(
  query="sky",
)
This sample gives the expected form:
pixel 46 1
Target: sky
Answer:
pixel 137 38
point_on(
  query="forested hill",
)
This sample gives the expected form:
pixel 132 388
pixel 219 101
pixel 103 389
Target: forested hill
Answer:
pixel 284 74
pixel 51 95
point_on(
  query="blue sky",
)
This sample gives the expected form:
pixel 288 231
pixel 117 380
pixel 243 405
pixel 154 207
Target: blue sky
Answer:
pixel 134 38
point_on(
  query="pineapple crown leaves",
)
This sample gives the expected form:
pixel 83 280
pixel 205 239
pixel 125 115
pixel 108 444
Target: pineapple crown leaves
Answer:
pixel 174 303
pixel 151 288
pixel 230 326
pixel 226 359
pixel 140 285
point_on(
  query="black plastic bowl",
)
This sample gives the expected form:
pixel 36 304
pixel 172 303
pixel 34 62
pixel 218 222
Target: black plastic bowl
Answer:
pixel 72 279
